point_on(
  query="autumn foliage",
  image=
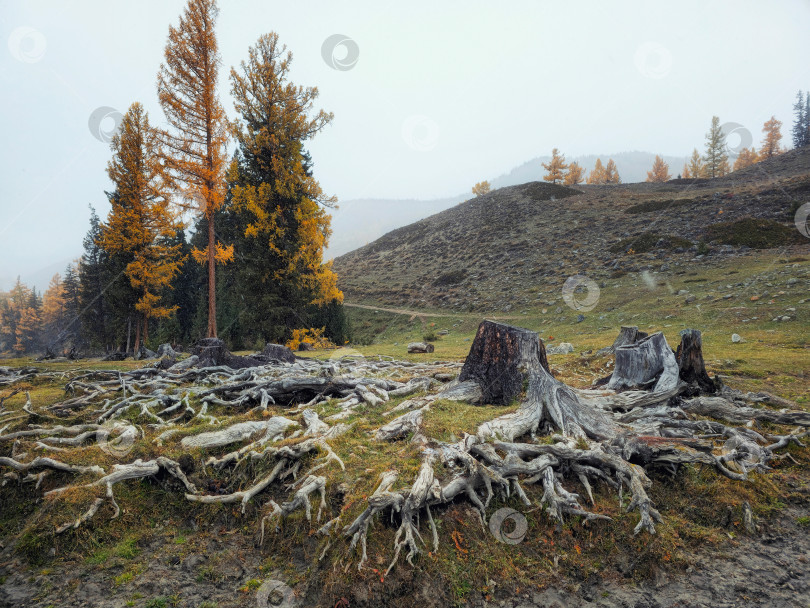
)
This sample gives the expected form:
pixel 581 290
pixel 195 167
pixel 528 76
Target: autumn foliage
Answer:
pixel 575 175
pixel 773 135
pixel 601 175
pixel 481 188
pixel 141 224
pixel 659 172
pixel 746 158
pixel 195 145
pixel 274 196
pixel 696 168
pixel 555 167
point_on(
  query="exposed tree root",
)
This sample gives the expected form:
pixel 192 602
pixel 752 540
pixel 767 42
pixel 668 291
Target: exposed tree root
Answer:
pixel 611 435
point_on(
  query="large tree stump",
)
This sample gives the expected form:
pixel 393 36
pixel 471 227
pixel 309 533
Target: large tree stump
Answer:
pixel 689 357
pixel 500 358
pixel 647 362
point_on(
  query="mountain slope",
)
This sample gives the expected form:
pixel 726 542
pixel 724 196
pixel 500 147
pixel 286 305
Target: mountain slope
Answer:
pixel 359 221
pixel 505 248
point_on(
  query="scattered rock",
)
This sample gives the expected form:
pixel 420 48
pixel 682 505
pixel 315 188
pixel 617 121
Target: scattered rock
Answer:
pixel 304 346
pixel 420 347
pixel 276 352
pixel 563 348
pixel 736 338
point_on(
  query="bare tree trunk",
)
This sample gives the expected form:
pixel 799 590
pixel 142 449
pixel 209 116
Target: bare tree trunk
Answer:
pixel 137 335
pixel 212 302
pixel 129 333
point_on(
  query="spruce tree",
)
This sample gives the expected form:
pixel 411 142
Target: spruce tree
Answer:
pixel 800 132
pixel 715 158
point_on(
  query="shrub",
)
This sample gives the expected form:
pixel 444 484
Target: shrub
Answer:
pixel 312 335
pixel 450 278
pixel 647 241
pixel 753 232
pixel 659 205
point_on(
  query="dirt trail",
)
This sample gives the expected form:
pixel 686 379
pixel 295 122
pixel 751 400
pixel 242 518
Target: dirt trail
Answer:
pixel 416 313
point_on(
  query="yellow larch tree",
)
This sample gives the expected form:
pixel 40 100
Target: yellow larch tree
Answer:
pixel 685 174
pixel 575 175
pixel 746 158
pixel 555 167
pixel 597 175
pixel 141 223
pixel 659 172
pixel 611 173
pixel 481 188
pixel 195 145
pixel 696 167
pixel 773 135
pixel 53 307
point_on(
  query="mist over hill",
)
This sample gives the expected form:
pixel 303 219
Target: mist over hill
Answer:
pixel 359 221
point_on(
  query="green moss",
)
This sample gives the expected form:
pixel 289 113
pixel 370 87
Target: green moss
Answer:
pixel 648 241
pixel 659 205
pixel 754 233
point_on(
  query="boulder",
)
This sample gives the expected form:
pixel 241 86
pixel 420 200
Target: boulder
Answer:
pixel 563 348
pixel 213 352
pixel 276 352
pixel 420 347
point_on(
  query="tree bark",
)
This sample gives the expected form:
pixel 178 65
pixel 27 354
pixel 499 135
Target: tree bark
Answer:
pixel 499 359
pixel 689 357
pixel 647 362
pixel 137 335
pixel 627 335
pixel 212 302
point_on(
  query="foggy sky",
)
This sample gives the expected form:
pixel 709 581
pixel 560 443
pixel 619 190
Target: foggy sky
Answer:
pixel 442 94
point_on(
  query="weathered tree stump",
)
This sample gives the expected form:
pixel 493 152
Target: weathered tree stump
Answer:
pixel 500 358
pixel 649 361
pixel 689 357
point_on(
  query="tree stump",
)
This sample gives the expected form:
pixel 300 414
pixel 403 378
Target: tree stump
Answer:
pixel 649 361
pixel 500 358
pixel 689 357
